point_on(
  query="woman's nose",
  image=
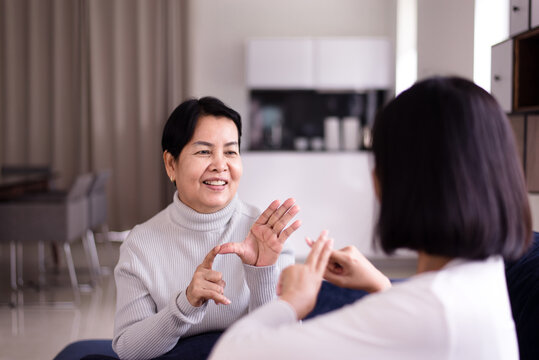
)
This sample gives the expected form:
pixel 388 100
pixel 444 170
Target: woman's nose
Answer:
pixel 218 163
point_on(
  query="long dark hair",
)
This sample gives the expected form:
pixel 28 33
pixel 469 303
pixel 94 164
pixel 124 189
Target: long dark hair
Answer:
pixel 450 178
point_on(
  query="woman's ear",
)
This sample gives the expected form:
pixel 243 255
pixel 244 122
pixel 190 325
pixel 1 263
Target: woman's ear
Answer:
pixel 170 164
pixel 376 183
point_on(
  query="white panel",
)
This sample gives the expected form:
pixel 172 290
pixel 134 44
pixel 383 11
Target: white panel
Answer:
pixel 502 74
pixel 280 63
pixel 352 63
pixel 518 16
pixel 334 191
pixel 535 13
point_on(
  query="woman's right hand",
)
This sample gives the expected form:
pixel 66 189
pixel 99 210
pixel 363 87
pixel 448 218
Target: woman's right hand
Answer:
pixel 349 268
pixel 207 284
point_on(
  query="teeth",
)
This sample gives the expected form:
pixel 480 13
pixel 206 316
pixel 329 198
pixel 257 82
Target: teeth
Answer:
pixel 215 182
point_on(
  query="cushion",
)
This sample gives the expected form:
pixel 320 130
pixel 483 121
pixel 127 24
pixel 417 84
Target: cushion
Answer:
pixel 523 287
pixel 332 297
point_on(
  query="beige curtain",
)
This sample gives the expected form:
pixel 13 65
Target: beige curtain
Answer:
pixel 87 85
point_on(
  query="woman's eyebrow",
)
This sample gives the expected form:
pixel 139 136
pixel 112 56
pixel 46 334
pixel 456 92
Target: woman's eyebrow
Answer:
pixel 203 143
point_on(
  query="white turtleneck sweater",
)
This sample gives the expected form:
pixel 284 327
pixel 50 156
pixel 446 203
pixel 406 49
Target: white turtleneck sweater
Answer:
pixel 157 262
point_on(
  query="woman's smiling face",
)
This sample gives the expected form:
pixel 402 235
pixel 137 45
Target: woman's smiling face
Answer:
pixel 209 167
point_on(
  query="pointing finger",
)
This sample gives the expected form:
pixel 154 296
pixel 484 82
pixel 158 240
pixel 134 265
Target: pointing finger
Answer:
pixel 208 260
pixel 324 257
pixel 312 258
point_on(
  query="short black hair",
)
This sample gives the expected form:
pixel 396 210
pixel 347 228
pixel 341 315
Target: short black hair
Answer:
pixel 450 178
pixel 181 123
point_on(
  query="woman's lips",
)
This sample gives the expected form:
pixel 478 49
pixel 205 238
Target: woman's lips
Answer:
pixel 215 184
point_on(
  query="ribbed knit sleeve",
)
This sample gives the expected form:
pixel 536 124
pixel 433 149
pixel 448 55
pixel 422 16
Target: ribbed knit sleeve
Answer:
pixel 140 331
pixel 262 281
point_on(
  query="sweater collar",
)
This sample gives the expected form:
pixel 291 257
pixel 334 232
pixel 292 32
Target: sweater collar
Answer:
pixel 188 218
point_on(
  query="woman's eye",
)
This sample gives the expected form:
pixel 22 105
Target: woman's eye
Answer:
pixel 231 152
pixel 203 152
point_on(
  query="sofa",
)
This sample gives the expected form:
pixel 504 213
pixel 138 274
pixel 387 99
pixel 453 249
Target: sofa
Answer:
pixel 522 282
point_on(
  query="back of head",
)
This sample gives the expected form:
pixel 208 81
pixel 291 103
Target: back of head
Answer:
pixel 450 179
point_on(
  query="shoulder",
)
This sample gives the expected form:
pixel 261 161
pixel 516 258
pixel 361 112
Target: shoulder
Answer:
pixel 144 235
pixel 247 210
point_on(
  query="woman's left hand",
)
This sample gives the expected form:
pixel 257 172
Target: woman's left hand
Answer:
pixel 267 236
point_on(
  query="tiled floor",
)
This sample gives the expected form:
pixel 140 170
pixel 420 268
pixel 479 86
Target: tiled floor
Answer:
pixel 37 331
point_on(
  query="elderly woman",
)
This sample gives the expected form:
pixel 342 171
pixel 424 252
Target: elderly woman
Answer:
pixel 208 258
pixel 451 188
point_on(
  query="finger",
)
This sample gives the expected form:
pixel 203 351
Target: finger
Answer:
pixel 280 224
pixel 289 231
pixel 232 248
pixel 277 214
pixel 312 258
pixel 324 257
pixel 210 286
pixel 263 219
pixel 215 296
pixel 213 276
pixel 207 263
pixel 334 267
pixel 309 241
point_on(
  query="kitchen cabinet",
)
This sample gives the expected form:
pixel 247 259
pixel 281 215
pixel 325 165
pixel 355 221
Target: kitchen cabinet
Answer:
pixel 352 63
pixel 515 72
pixel 532 153
pixel 519 14
pixel 534 13
pixel 502 74
pixel 340 63
pixel 526 71
pixel 515 84
pixel 518 123
pixel 280 63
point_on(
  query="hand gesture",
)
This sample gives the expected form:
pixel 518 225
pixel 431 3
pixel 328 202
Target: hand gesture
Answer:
pixel 349 268
pixel 207 283
pixel 299 284
pixel 265 240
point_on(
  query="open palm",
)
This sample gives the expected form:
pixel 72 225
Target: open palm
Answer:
pixel 267 236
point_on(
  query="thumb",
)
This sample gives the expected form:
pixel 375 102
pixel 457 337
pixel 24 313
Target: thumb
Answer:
pixel 232 248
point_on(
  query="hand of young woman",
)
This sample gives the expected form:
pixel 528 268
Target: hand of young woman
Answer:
pixel 349 268
pixel 267 236
pixel 207 284
pixel 299 284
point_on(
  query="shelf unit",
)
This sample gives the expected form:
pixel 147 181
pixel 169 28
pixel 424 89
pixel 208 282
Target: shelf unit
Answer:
pixel 515 83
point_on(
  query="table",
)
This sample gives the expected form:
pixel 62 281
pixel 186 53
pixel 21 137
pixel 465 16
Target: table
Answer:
pixel 15 185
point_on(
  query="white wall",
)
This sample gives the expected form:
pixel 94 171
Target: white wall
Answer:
pixel 218 30
pixel 445 31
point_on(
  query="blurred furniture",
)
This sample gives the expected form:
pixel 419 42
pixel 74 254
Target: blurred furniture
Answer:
pixel 18 180
pixel 515 83
pixel 52 216
pixel 97 218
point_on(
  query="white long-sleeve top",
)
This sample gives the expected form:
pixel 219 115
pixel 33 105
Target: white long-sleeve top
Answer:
pixel 157 262
pixel 459 312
